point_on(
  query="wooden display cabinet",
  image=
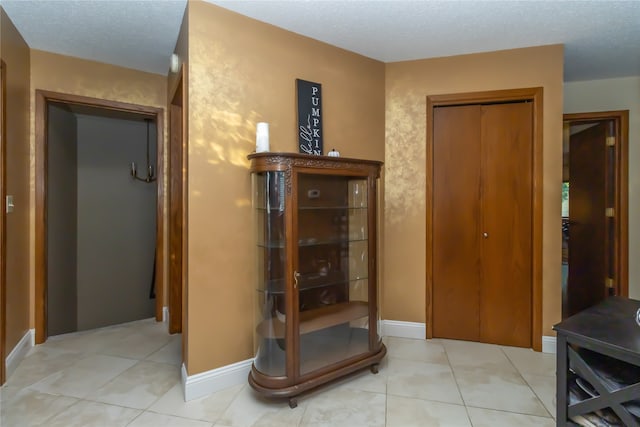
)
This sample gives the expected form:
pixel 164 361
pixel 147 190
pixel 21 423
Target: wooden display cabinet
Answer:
pixel 317 295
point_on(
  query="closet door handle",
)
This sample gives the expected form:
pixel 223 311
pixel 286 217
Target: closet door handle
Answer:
pixel 485 235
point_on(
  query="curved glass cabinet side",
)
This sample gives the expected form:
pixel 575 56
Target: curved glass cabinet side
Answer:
pixel 269 337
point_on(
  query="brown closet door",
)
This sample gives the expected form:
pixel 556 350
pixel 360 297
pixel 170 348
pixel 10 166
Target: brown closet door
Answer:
pixel 505 293
pixel 482 183
pixel 456 222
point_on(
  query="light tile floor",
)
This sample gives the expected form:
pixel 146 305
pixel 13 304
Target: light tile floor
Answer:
pixel 129 375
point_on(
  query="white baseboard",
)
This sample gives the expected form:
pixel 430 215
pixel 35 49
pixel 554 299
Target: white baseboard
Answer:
pixel 549 344
pixel 206 383
pixel 165 314
pixel 396 328
pixel 18 353
pixel 415 330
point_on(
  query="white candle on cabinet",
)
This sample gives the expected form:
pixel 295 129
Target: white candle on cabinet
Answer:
pixel 262 137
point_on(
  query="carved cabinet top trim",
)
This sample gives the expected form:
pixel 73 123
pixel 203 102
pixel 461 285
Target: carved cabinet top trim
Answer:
pixel 282 161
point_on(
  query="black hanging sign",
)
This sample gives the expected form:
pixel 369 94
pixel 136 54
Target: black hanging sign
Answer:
pixel 309 117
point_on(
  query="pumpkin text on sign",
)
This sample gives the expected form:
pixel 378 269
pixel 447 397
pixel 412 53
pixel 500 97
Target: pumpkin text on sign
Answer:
pixel 309 117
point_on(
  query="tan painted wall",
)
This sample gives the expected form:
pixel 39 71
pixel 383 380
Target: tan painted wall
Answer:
pixel 64 74
pixel 407 86
pixel 241 72
pixel 15 53
pixel 607 95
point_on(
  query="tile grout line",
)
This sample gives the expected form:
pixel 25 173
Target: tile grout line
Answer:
pixel 525 381
pixel 135 418
pixel 226 408
pixel 504 411
pixel 455 378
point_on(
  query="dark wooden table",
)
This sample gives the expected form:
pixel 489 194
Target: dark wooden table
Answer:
pixel 608 328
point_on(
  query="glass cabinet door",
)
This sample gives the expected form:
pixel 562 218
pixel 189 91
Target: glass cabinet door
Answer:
pixel 269 211
pixel 331 269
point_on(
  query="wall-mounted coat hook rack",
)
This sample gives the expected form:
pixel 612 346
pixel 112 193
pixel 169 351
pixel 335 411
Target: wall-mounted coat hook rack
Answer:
pixel 150 172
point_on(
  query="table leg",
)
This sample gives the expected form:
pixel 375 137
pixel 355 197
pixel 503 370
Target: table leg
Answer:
pixel 562 369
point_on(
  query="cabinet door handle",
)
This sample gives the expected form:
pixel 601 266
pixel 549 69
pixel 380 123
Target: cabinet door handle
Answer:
pixel 485 235
pixel 295 279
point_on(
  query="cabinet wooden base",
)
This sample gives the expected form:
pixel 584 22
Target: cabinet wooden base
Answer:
pixel 259 381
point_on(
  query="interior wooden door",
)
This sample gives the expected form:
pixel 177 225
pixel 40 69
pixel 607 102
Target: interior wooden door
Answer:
pixel 482 223
pixel 588 242
pixel 505 292
pixel 456 222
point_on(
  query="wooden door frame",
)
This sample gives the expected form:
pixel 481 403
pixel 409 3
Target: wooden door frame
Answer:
pixel 535 95
pixel 43 98
pixel 3 219
pixel 621 208
pixel 177 291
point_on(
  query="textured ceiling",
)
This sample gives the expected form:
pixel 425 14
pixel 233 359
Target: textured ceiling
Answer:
pixel 601 38
pixel 139 34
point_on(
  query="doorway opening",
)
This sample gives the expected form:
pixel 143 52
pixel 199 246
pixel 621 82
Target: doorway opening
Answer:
pixel 89 224
pixel 594 209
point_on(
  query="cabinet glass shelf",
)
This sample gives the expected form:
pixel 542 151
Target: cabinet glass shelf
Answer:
pixel 303 243
pixel 313 320
pixel 332 208
pixel 306 283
